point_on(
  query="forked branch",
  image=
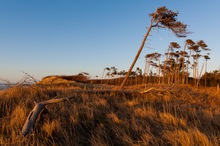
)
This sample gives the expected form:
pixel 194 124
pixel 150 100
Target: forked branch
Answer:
pixel 37 110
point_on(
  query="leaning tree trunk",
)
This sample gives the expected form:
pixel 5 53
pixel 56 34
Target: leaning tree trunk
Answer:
pixel 136 57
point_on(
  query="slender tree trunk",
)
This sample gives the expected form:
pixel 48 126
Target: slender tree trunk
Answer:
pixel 148 70
pixel 197 67
pixel 176 71
pixel 136 57
pixel 159 71
pixel 183 66
pixel 194 70
pixel 178 74
pixel 187 69
pixel 173 76
pixel 144 76
pixel 151 74
pixel 205 71
pixel 187 74
pixel 165 66
pixel 147 74
pixel 200 75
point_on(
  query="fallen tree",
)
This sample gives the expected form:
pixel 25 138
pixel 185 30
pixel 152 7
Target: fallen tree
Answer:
pixel 37 110
pixel 40 106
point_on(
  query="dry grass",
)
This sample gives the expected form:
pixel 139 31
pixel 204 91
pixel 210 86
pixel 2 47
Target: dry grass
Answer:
pixel 181 115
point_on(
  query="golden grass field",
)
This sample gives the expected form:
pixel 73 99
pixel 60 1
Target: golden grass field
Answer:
pixel 169 115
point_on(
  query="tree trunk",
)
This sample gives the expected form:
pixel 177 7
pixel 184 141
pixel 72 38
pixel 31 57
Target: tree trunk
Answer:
pixel 200 75
pixel 136 57
pixel 159 71
pixel 187 69
pixel 183 66
pixel 165 66
pixel 144 76
pixel 205 72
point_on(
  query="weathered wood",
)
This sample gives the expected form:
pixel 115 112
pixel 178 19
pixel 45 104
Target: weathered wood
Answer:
pixel 148 90
pixel 155 89
pixel 32 117
pixel 40 106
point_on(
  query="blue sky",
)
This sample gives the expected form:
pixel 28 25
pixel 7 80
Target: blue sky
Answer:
pixel 66 37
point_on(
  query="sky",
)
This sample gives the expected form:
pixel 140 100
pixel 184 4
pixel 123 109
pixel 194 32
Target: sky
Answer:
pixel 66 37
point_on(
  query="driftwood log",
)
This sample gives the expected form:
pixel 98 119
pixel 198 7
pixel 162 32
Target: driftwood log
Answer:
pixel 39 107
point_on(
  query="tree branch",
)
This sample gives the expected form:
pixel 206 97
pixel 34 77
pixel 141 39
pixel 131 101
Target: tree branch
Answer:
pixel 37 110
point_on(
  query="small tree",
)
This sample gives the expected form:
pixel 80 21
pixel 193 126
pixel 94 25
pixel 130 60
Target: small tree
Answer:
pixel 149 62
pixel 184 54
pixel 200 44
pixel 107 68
pixel 204 47
pixel 172 46
pixel 138 75
pixel 190 45
pixel 161 18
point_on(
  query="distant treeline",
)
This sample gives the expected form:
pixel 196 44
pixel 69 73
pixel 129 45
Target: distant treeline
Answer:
pixel 211 79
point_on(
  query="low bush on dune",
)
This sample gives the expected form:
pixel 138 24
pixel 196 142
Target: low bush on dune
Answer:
pixel 64 79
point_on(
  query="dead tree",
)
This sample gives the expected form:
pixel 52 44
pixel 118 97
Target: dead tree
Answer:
pixel 37 110
pixel 40 106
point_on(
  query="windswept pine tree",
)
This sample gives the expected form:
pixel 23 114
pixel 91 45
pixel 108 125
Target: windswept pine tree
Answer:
pixel 108 69
pixel 150 58
pixel 167 68
pixel 161 18
pixel 189 45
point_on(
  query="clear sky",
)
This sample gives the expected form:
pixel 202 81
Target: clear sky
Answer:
pixel 66 37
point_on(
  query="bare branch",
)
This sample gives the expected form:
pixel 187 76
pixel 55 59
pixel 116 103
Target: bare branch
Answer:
pixel 37 110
